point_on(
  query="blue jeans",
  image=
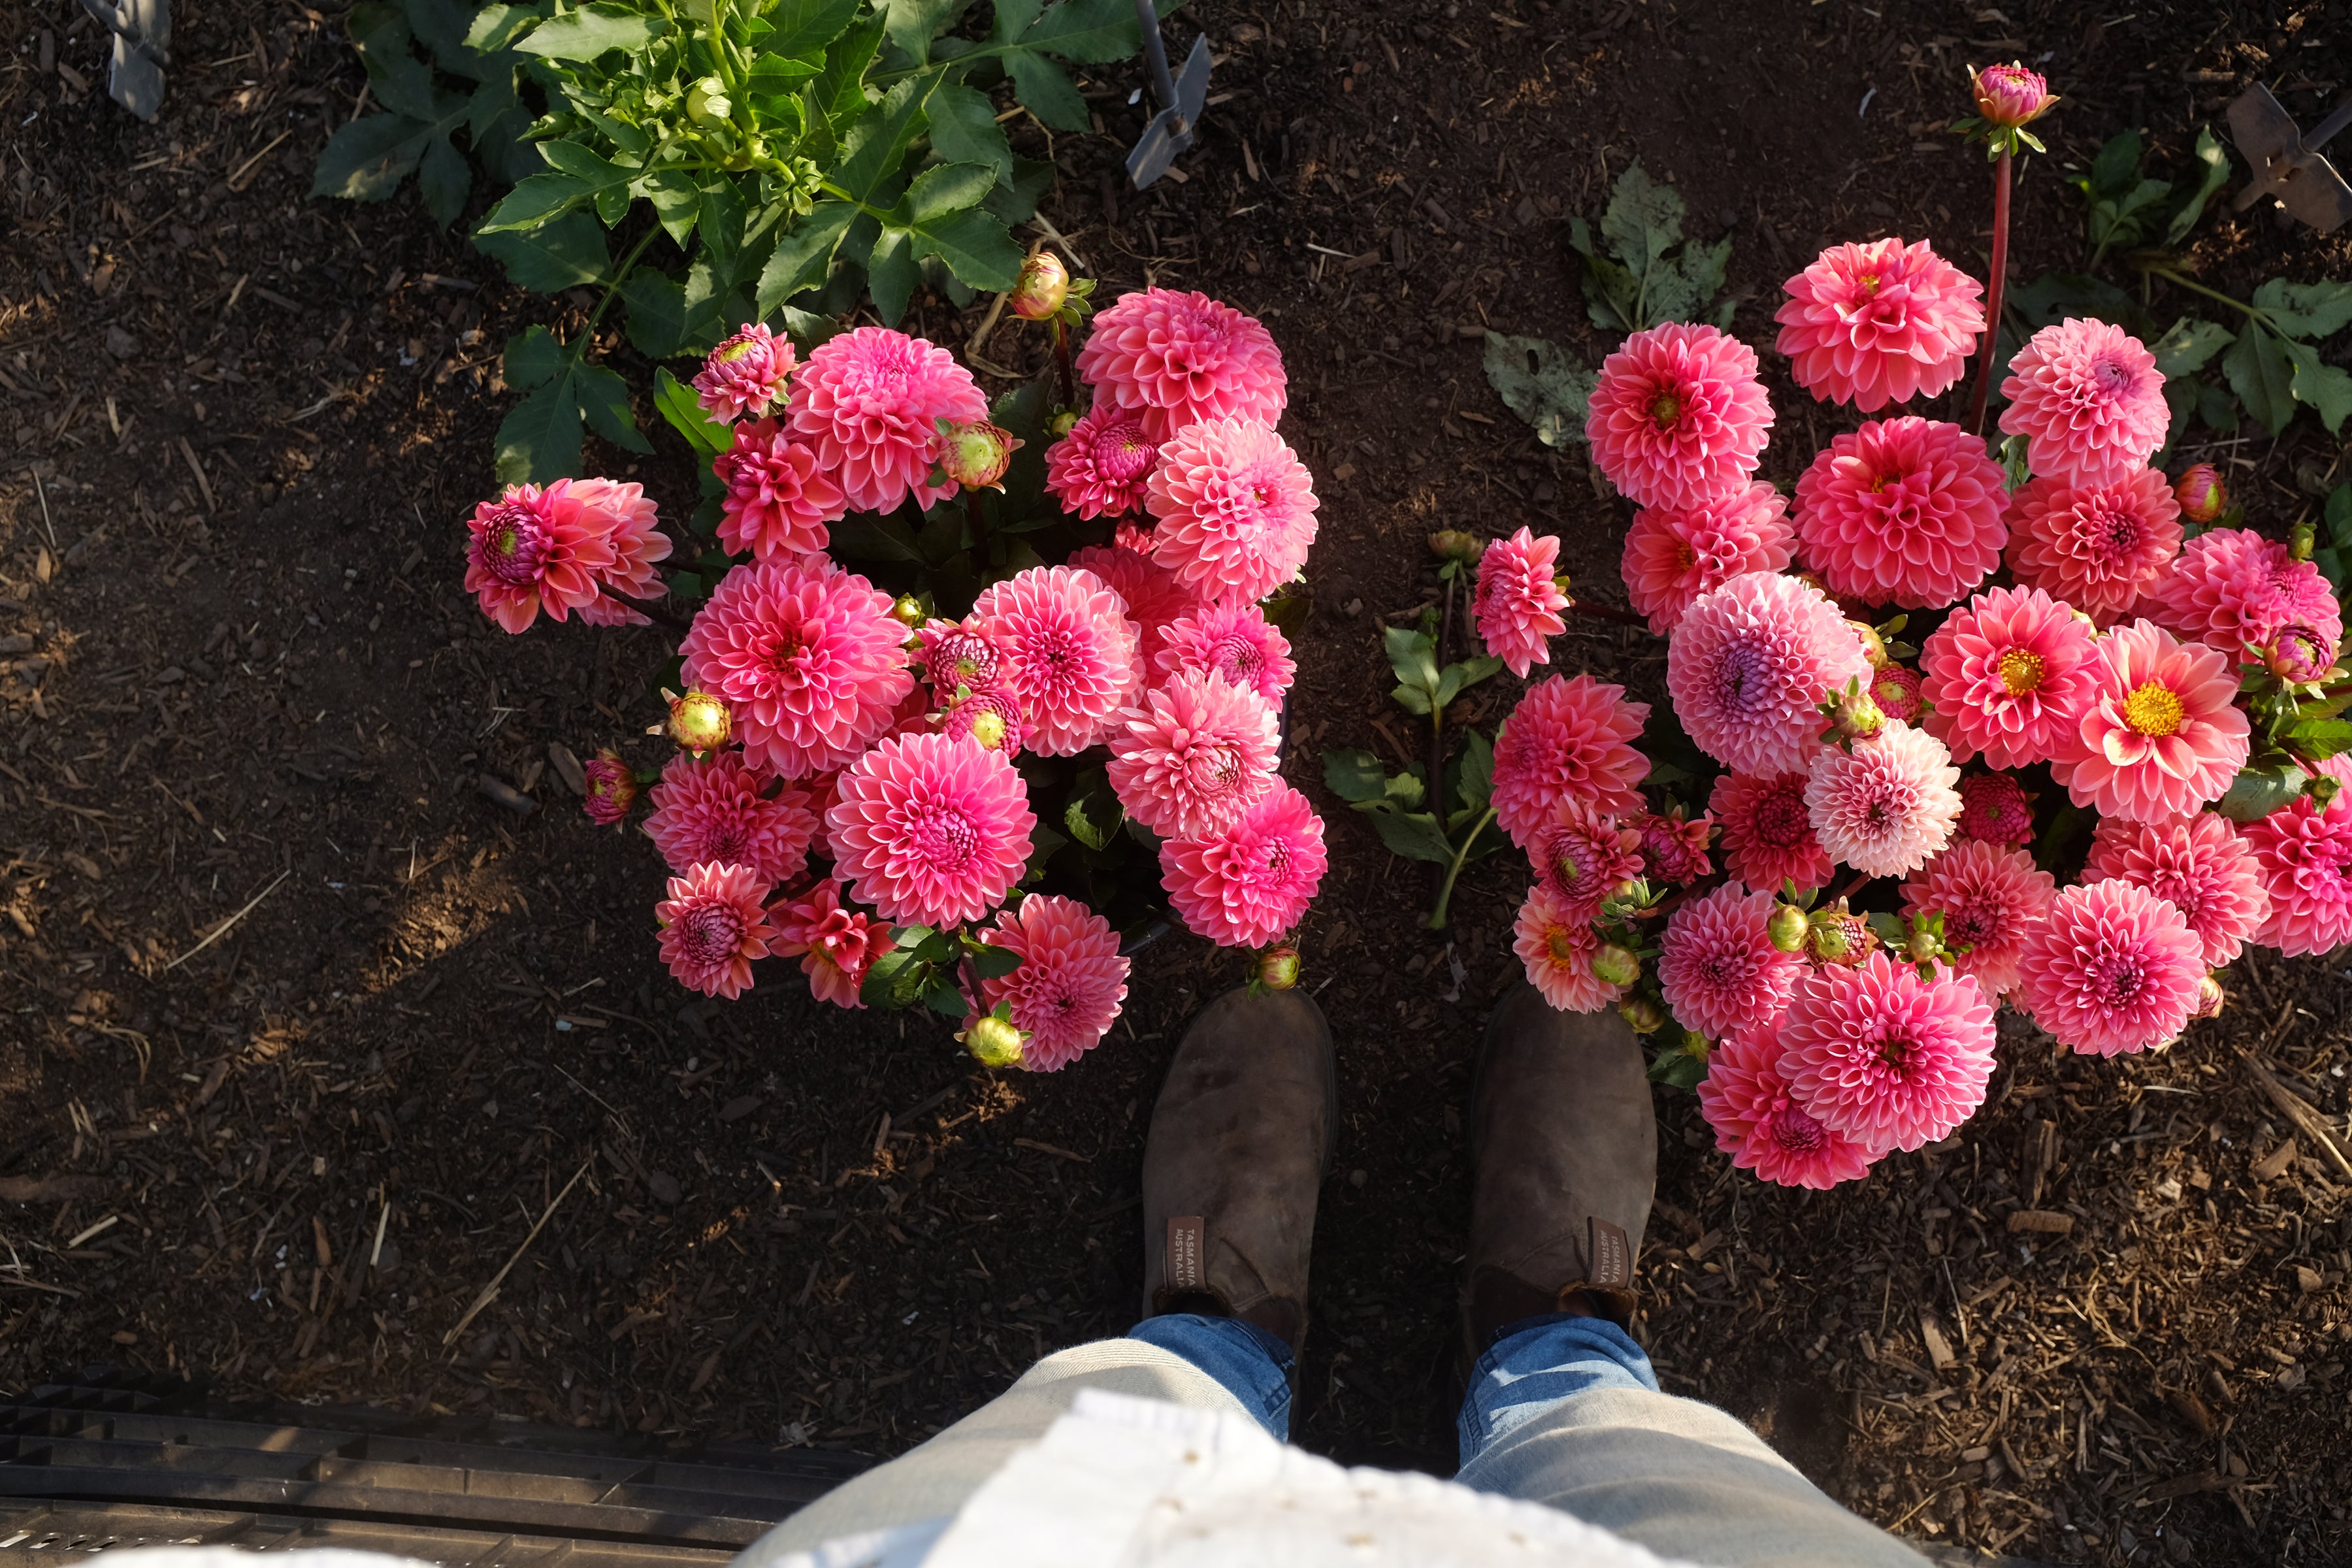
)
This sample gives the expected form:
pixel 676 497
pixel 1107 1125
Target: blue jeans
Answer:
pixel 1254 1366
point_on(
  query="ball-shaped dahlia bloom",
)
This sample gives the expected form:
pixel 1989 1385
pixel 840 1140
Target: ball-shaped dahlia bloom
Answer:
pixel 1718 968
pixel 1749 666
pixel 1557 946
pixel 835 945
pixel 1516 603
pixel 1569 737
pixel 2196 864
pixel 930 830
pixel 2008 675
pixel 1896 689
pixel 807 657
pixel 1152 595
pixel 1990 897
pixel 2201 495
pixel 778 503
pixel 1237 643
pixel 1066 992
pixel 989 718
pixel 2097 547
pixel 744 374
pixel 1876 1053
pixel 612 789
pixel 1071 655
pixel 717 809
pixel 533 550
pixel 1189 757
pixel 1582 856
pixel 626 515
pixel 2162 734
pixel 1757 1122
pixel 712 927
pixel 1672 848
pixel 1100 467
pixel 1673 554
pixel 1678 415
pixel 1880 322
pixel 1179 358
pixel 1247 885
pixel 1902 511
pixel 2234 590
pixel 2088 399
pixel 2304 853
pixel 869 402
pixel 959 658
pixel 1765 833
pixel 2112 968
pixel 1233 510
pixel 1995 808
pixel 1887 804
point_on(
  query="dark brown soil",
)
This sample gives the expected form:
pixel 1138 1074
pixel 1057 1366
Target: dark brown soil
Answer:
pixel 790 1224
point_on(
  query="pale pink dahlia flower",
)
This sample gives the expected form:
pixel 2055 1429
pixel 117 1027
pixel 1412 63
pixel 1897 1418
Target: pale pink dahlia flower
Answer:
pixel 835 945
pixel 744 374
pixel 1887 806
pixel 2196 864
pixel 2008 675
pixel 2088 399
pixel 1517 603
pixel 1678 415
pixel 1556 946
pixel 1178 358
pixel 1896 689
pixel 928 828
pixel 1233 510
pixel 1071 655
pixel 1880 1056
pixel 1765 834
pixel 1757 1122
pixel 777 500
pixel 1994 808
pixel 1569 737
pixel 807 657
pixel 1246 885
pixel 717 809
pixel 1879 323
pixel 1902 511
pixel 1749 666
pixel 2098 547
pixel 533 550
pixel 2113 968
pixel 1188 758
pixel 1991 898
pixel 1239 643
pixel 1583 857
pixel 1153 595
pixel 1066 992
pixel 1100 467
pixel 2234 590
pixel 627 516
pixel 1718 968
pixel 2304 851
pixel 712 927
pixel 869 401
pixel 2161 735
pixel 1673 554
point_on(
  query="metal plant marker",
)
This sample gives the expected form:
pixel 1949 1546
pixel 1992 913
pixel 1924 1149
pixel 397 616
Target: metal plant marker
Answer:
pixel 143 48
pixel 2286 162
pixel 1180 101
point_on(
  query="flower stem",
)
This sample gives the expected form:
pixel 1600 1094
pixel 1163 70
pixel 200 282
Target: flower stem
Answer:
pixel 2176 281
pixel 978 521
pixel 1062 364
pixel 1995 285
pixel 1437 920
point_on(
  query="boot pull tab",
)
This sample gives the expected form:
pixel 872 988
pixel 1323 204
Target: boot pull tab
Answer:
pixel 1187 1243
pixel 1612 1258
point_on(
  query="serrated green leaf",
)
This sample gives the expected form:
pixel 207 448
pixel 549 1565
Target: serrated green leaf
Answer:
pixel 532 359
pixel 2339 514
pixel 496 27
pixel 975 245
pixel 945 188
pixel 1354 775
pixel 605 400
pixel 2308 310
pixel 1083 827
pixel 802 256
pixel 2188 345
pixel 1477 783
pixel 1541 383
pixel 2111 171
pixel 946 999
pixel 894 980
pixel 1645 220
pixel 2213 173
pixel 2053 296
pixel 2263 376
pixel 443 180
pixel 804 27
pixel 864 536
pixel 402 83
pixel 539 440
pixel 964 129
pixel 1044 90
pixel 1010 18
pixel 2323 388
pixel 914 23
pixel 2319 739
pixel 536 201
pixel 2258 792
pixel 839 90
pixel 995 962
pixel 676 202
pixel 877 145
pixel 1679 1069
pixel 1014 200
pixel 891 274
pixel 2217 407
pixel 592 30
pixel 1089 32
pixel 1413 834
pixel 557 255
pixel 367 159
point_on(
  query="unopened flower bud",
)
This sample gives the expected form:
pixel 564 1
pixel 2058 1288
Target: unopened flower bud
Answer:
pixel 2299 654
pixel 1642 1014
pixel 1042 287
pixel 707 102
pixel 1277 968
pixel 2010 95
pixel 1787 927
pixel 1614 966
pixel 1924 947
pixel 2322 789
pixel 1828 942
pixel 975 453
pixel 1457 544
pixel 2200 494
pixel 1858 716
pixel 1874 647
pixel 1061 424
pixel 2210 998
pixel 993 1042
pixel 908 611
pixel 612 788
pixel 2302 541
pixel 698 721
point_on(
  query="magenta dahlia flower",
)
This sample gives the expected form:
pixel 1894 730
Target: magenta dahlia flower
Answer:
pixel 806 655
pixel 1066 992
pixel 712 927
pixel 1071 655
pixel 1678 415
pixel 2196 864
pixel 1672 849
pixel 1233 510
pixel 956 657
pixel 627 515
pixel 2112 968
pixel 1556 947
pixel 835 945
pixel 2161 735
pixel 2088 399
pixel 1878 1055
pixel 1239 643
pixel 1718 968
pixel 930 830
pixel 744 374
pixel 1879 323
pixel 2009 675
pixel 1673 554
pixel 1995 808
pixel 1188 758
pixel 1583 857
pixel 2304 851
pixel 1765 833
pixel 1896 689
pixel 1517 603
pixel 1246 885
pixel 2010 95
pixel 1749 666
pixel 1153 595
pixel 717 809
pixel 778 503
pixel 1179 358
pixel 612 791
pixel 989 718
pixel 1991 898
pixel 534 550
pixel 1888 805
pixel 1757 1122
pixel 2098 547
pixel 1100 467
pixel 869 402
pixel 1569 737
pixel 1902 511
pixel 2234 590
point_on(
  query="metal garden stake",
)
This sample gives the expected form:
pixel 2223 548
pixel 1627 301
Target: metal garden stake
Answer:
pixel 2286 164
pixel 143 48
pixel 1180 101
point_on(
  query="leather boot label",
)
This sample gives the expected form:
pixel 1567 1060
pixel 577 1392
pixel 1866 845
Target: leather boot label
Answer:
pixel 1612 1258
pixel 1186 1241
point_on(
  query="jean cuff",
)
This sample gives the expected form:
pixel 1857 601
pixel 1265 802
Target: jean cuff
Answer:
pixel 1248 1362
pixel 1536 1362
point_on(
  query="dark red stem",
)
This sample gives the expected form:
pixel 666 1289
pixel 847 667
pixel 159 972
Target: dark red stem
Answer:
pixel 1994 287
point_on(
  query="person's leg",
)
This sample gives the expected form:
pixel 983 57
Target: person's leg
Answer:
pixel 1562 1406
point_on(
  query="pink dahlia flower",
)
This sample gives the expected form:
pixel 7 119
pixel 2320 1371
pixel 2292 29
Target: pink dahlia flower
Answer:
pixel 806 655
pixel 1070 652
pixel 612 791
pixel 1239 643
pixel 1153 595
pixel 1896 689
pixel 1066 992
pixel 1557 946
pixel 2234 590
pixel 534 550
pixel 1766 836
pixel 835 945
pixel 1673 554
pixel 2304 851
pixel 1179 358
pixel 1190 757
pixel 2161 735
pixel 1749 666
pixel 712 927
pixel 1887 806
pixel 1879 323
pixel 1569 737
pixel 2098 547
pixel 927 828
pixel 958 656
pixel 2089 401
pixel 1583 857
pixel 2113 968
pixel 1233 510
pixel 1100 467
pixel 869 402
pixel 1678 416
pixel 717 809
pixel 989 718
pixel 1991 898
pixel 1995 808
pixel 2010 95
pixel 1757 1122
pixel 1247 885
pixel 1673 850
pixel 627 515
pixel 2009 675
pixel 1718 968
pixel 778 503
pixel 2196 864
pixel 1517 603
pixel 745 375
pixel 1877 1055
pixel 1902 511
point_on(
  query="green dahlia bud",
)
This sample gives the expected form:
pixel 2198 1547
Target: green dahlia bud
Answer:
pixel 1277 968
pixel 1613 965
pixel 1642 1014
pixel 975 454
pixel 1787 927
pixel 1858 715
pixel 1457 544
pixel 707 102
pixel 699 722
pixel 993 1042
pixel 1042 287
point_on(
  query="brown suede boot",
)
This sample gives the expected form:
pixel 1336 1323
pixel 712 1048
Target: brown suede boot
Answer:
pixel 1564 1159
pixel 1234 1163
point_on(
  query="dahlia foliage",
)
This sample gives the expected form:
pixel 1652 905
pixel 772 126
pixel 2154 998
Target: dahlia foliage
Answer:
pixel 977 694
